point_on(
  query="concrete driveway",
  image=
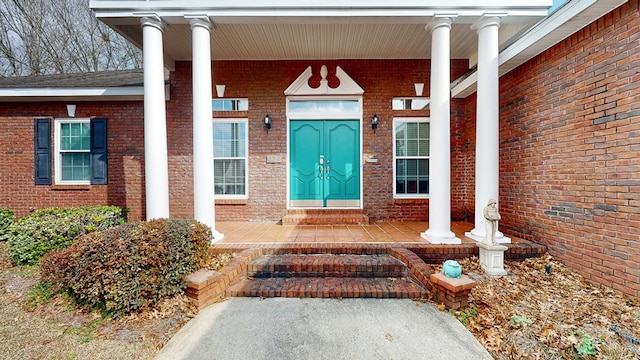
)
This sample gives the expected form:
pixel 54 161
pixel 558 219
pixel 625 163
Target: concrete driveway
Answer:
pixel 282 328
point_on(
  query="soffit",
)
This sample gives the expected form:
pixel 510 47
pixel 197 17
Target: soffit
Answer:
pixel 289 41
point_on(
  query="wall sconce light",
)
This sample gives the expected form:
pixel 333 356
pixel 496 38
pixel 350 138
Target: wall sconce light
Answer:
pixel 71 110
pixel 374 122
pixel 267 123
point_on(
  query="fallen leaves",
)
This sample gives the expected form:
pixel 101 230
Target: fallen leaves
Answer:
pixel 531 314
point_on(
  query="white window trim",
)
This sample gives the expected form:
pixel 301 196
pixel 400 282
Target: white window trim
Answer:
pixel 395 122
pixel 58 154
pixel 246 160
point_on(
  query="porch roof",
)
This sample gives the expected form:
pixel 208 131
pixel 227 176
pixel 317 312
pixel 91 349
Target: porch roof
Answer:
pixel 331 29
pixel 356 29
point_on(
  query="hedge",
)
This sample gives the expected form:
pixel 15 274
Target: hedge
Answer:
pixel 127 267
pixel 56 228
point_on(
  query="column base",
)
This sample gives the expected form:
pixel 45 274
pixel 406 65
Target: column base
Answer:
pixel 445 237
pixel 479 236
pixel 216 236
pixel 492 258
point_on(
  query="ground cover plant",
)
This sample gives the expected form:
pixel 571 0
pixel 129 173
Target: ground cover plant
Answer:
pixel 32 236
pixel 127 267
pixel 6 219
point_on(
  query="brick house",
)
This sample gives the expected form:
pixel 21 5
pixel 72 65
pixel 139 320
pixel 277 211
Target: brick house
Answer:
pixel 411 111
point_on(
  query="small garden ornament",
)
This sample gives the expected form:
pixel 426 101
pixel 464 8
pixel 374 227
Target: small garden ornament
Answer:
pixel 492 217
pixel 491 253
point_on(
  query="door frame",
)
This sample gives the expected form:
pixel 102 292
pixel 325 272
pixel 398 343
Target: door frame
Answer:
pixel 293 116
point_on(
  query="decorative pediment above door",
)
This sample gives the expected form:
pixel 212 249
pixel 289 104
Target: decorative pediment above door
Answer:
pixel 301 85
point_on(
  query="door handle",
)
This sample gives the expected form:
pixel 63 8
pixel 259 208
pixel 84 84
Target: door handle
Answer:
pixel 320 170
pixel 328 170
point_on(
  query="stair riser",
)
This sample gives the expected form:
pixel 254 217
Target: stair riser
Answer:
pixel 332 294
pixel 357 274
pixel 328 288
pixel 326 265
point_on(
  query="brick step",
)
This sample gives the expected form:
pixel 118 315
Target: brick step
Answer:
pixel 331 287
pixel 326 265
pixel 325 217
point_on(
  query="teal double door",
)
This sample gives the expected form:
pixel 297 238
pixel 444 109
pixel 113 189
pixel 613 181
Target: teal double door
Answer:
pixel 324 163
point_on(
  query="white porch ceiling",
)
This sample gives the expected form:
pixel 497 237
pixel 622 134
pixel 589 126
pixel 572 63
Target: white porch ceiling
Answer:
pixel 323 41
pixel 318 29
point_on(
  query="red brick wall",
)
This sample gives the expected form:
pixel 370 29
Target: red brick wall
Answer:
pixel 263 83
pixel 126 158
pixel 570 150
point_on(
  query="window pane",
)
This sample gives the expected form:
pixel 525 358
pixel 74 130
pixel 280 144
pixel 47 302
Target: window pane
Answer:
pixel 330 106
pixel 74 136
pixel 75 167
pixel 230 104
pixel 229 139
pixel 423 176
pixel 412 148
pixel 229 177
pixel 412 176
pixel 412 130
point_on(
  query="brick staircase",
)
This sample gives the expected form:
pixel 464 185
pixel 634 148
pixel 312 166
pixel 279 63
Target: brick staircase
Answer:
pixel 328 276
pixel 325 217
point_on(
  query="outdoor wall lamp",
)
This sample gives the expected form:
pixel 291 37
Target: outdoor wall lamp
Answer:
pixel 374 122
pixel 267 123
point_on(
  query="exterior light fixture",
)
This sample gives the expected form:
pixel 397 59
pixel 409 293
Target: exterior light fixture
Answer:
pixel 267 123
pixel 374 122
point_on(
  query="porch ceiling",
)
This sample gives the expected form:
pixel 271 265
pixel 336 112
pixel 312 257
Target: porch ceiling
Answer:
pixel 312 29
pixel 273 41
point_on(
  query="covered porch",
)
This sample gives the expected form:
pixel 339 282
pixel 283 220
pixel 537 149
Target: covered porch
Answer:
pixel 170 32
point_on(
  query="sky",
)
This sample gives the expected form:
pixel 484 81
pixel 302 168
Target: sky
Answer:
pixel 557 4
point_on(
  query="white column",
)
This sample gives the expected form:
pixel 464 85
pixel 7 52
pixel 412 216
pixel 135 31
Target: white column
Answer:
pixel 203 189
pixel 487 125
pixel 439 231
pixel 156 165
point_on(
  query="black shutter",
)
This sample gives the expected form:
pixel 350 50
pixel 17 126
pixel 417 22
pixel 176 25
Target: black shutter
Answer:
pixel 42 145
pixel 99 151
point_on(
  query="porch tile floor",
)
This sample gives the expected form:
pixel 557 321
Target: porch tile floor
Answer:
pixel 378 232
pixel 376 238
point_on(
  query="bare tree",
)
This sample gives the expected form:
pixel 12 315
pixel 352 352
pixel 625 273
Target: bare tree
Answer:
pixel 62 36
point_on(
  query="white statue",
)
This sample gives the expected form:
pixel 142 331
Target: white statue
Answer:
pixel 491 223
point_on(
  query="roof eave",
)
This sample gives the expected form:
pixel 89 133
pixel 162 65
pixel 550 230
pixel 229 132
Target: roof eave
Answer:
pixel 135 93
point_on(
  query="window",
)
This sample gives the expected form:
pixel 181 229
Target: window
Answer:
pixel 411 157
pixel 73 151
pixel 230 105
pixel 324 106
pixel 80 152
pixel 417 103
pixel 230 158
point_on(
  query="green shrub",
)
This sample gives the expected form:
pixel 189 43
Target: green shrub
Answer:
pixel 56 228
pixel 126 267
pixel 6 219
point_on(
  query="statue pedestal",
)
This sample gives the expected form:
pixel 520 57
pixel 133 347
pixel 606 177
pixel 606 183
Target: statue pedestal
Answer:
pixel 492 258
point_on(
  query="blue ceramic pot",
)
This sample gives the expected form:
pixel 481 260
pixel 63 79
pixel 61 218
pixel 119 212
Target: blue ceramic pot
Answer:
pixel 452 269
